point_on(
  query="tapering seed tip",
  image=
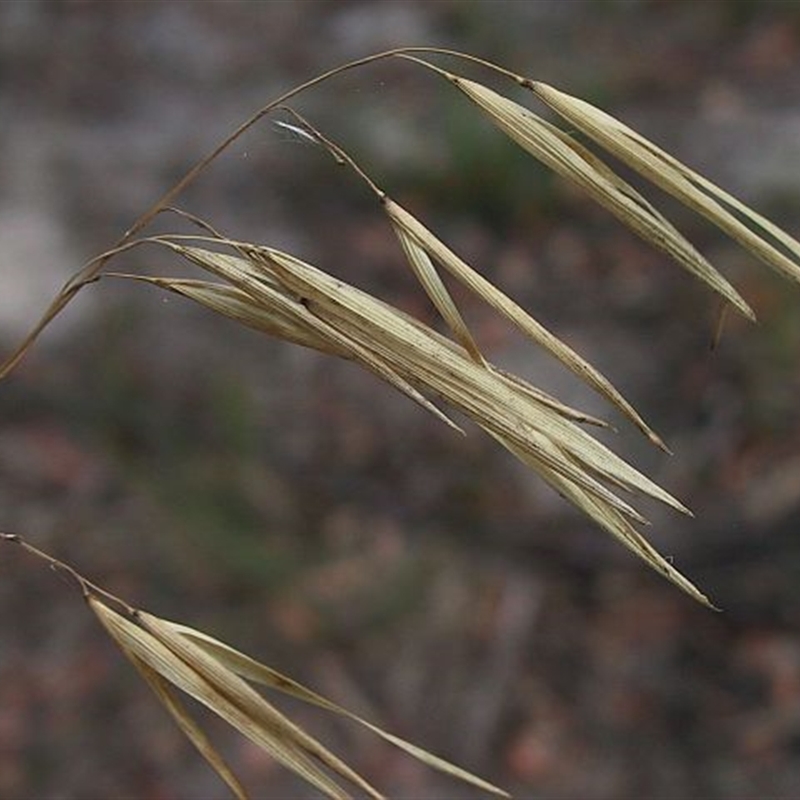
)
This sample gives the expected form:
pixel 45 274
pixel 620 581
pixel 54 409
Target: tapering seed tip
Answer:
pixel 709 605
pixel 658 442
pixel 739 304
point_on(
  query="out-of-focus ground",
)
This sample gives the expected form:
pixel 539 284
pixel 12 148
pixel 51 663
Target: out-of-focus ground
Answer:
pixel 298 509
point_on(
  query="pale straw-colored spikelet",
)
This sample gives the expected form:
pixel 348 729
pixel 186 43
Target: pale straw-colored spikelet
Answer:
pixel 567 157
pixel 172 656
pixel 317 310
pixel 664 170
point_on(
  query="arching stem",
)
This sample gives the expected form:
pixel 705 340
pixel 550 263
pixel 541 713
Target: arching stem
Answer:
pixel 92 268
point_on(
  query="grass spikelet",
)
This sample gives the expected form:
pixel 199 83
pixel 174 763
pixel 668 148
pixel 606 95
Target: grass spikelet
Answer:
pixel 568 158
pixel 242 308
pixel 193 671
pixel 168 654
pixel 412 228
pixel 293 310
pixel 615 523
pixel 256 672
pixel 416 255
pixel 331 313
pixel 169 699
pixel 428 276
pixel 664 170
pixel 171 656
pixel 421 246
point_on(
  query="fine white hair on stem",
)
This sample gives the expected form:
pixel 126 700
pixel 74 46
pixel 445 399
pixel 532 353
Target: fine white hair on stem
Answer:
pixel 297 133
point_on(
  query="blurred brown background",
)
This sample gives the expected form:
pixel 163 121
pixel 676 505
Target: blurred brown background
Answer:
pixel 298 509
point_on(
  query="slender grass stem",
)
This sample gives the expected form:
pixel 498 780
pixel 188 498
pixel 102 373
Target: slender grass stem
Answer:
pixel 89 271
